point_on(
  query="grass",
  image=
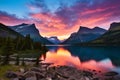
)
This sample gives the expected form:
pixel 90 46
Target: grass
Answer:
pixel 25 54
pixel 29 53
pixel 5 68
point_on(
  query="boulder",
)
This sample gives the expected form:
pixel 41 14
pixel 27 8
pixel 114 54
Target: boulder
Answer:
pixel 11 74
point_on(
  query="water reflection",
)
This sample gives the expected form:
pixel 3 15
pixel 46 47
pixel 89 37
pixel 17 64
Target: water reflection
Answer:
pixel 82 57
pixel 96 53
pixel 62 57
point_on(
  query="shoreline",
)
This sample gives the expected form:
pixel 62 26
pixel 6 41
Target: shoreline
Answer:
pixel 45 71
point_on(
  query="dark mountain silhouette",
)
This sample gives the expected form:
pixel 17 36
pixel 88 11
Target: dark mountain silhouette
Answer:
pixel 112 36
pixel 5 31
pixel 54 40
pixel 84 34
pixel 25 29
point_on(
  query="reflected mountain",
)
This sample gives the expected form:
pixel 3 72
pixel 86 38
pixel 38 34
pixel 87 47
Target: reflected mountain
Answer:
pixel 91 53
pixel 96 53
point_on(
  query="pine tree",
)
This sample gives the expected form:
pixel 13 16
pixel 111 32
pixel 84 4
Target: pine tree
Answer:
pixel 17 60
pixel 37 45
pixel 8 50
pixel 27 43
pixel 23 62
pixel 18 42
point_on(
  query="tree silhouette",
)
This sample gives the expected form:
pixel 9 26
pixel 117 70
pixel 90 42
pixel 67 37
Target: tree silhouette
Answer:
pixel 8 50
pixel 17 60
pixel 23 62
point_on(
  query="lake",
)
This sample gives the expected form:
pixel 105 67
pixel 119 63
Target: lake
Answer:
pixel 84 57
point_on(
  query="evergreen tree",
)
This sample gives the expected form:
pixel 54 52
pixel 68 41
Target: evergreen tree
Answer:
pixel 18 41
pixel 0 59
pixel 27 43
pixel 17 60
pixel 37 45
pixel 8 50
pixel 23 62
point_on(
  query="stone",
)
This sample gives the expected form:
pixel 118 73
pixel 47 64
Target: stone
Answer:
pixel 95 78
pixel 29 74
pixel 31 78
pixel 22 70
pixel 11 74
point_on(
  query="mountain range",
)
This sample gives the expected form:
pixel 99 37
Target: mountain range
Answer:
pixel 84 34
pixel 94 36
pixel 112 36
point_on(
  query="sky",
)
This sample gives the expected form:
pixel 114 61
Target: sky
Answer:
pixel 60 17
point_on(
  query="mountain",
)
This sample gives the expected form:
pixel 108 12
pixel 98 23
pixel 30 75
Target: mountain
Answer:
pixel 111 37
pixel 84 34
pixel 5 31
pixel 25 29
pixel 54 40
pixel 114 26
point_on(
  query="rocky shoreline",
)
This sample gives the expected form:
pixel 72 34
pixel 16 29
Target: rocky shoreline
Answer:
pixel 47 72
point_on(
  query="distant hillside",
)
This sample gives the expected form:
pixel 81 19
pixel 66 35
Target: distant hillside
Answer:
pixel 111 37
pixel 84 34
pixel 5 31
pixel 25 29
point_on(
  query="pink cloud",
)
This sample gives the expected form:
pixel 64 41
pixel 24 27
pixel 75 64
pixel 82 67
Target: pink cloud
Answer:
pixel 66 20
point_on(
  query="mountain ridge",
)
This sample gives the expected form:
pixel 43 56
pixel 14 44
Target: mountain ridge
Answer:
pixel 5 31
pixel 84 34
pixel 111 37
pixel 25 29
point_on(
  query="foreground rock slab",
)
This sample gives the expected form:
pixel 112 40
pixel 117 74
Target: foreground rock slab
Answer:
pixel 59 73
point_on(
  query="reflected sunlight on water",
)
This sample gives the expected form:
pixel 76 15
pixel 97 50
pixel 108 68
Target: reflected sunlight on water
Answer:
pixel 64 57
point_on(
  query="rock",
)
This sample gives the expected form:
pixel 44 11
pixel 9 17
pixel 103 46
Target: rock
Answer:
pixel 15 79
pixel 11 74
pixel 95 79
pixel 31 78
pixel 39 75
pixel 87 73
pixel 62 75
pixel 22 70
pixel 53 73
pixel 111 73
pixel 22 78
pixel 86 78
pixel 48 78
pixel 29 74
pixel 35 69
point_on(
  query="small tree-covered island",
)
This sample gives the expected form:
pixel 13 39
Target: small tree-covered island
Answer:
pixel 59 40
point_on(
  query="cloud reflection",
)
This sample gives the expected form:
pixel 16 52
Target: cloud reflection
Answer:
pixel 64 57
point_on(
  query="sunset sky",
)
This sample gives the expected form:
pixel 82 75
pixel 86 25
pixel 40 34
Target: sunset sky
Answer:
pixel 60 17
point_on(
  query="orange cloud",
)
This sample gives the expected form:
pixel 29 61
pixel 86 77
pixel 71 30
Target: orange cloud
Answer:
pixel 51 25
pixel 66 20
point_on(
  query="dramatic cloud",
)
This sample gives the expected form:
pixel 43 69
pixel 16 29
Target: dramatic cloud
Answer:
pixel 67 19
pixel 62 17
pixel 11 19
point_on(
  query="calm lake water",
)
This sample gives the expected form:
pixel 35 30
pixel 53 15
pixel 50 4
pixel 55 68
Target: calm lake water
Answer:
pixel 87 57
